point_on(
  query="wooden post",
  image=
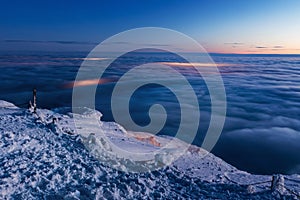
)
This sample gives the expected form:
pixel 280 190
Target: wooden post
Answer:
pixel 34 100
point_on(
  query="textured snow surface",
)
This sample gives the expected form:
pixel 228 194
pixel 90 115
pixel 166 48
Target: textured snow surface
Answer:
pixel 44 160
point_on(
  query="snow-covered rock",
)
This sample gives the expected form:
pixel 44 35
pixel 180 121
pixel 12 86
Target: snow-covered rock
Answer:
pixel 42 156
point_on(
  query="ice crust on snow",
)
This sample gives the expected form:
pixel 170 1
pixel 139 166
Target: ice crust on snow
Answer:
pixel 46 158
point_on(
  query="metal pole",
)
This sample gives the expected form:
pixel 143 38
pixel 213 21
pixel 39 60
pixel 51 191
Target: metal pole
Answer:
pixel 278 183
pixel 34 100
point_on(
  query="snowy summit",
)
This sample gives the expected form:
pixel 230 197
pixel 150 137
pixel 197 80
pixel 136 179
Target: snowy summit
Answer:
pixel 42 156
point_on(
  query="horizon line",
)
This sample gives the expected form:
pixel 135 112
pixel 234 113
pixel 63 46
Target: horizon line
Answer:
pixel 214 53
pixel 92 43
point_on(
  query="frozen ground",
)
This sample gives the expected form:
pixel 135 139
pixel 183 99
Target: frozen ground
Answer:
pixel 40 159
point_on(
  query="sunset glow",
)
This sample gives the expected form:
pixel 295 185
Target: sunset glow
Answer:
pixel 86 83
pixel 187 64
pixel 228 27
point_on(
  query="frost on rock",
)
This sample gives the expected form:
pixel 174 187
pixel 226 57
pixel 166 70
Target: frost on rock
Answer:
pixel 42 156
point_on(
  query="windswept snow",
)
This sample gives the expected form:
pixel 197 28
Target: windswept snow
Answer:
pixel 43 156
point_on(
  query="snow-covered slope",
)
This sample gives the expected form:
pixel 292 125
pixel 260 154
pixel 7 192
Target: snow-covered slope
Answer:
pixel 43 157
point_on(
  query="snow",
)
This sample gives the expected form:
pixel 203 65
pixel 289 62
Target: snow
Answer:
pixel 43 155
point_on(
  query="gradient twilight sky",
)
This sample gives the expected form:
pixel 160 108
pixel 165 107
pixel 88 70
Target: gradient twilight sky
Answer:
pixel 223 26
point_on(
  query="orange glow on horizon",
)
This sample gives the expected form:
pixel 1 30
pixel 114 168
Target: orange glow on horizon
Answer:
pixel 253 50
pixel 82 83
pixel 187 64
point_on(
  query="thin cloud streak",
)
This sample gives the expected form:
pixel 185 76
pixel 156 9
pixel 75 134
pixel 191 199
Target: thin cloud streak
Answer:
pixel 52 42
pixel 261 47
pixel 234 43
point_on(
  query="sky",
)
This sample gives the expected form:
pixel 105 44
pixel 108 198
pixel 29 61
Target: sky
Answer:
pixel 220 26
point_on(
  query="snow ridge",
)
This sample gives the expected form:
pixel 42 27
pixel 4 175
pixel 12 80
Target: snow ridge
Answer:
pixel 42 157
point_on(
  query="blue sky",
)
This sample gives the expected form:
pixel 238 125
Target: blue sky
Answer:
pixel 230 26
